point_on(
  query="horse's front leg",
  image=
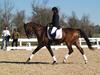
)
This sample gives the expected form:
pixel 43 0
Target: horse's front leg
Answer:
pixel 36 50
pixel 52 54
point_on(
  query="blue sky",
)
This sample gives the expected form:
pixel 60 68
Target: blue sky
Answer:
pixel 80 7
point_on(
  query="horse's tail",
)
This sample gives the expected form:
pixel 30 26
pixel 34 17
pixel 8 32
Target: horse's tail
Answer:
pixel 82 33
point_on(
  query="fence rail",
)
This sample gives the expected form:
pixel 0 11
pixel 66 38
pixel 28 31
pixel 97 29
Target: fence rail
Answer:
pixel 28 43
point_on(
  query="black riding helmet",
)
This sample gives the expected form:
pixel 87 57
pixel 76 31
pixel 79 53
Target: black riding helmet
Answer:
pixel 55 9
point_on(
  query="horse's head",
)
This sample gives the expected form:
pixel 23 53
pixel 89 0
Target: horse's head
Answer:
pixel 33 28
pixel 28 29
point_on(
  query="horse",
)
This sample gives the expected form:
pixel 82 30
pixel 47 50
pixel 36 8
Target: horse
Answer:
pixel 70 36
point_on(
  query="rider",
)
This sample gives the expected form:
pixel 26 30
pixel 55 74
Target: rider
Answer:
pixel 55 18
pixel 55 21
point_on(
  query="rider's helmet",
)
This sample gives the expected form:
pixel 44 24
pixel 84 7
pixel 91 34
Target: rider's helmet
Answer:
pixel 55 9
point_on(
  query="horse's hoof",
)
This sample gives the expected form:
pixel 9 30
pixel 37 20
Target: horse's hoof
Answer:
pixel 64 61
pixel 54 62
pixel 86 62
pixel 28 60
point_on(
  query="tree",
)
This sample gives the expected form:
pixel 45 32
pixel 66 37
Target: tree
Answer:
pixel 7 15
pixel 97 29
pixel 86 25
pixel 41 14
pixel 73 21
pixel 18 21
pixel 63 22
pixel 1 26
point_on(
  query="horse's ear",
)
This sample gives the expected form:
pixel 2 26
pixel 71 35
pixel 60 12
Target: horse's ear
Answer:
pixel 25 29
pixel 24 25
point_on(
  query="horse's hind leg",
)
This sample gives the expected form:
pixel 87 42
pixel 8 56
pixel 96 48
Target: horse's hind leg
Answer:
pixel 81 51
pixel 69 53
pixel 36 50
pixel 52 54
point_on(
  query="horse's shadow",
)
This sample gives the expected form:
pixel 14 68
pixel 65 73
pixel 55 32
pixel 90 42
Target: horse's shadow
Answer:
pixel 20 62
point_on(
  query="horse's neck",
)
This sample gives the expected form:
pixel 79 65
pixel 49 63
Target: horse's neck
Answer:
pixel 38 30
pixel 37 27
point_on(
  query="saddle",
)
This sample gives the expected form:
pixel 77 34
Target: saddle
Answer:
pixel 54 33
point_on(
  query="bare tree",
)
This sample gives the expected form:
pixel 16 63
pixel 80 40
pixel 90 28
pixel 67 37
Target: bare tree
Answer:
pixel 18 21
pixel 1 26
pixel 86 25
pixel 96 29
pixel 73 21
pixel 63 22
pixel 41 14
pixel 7 13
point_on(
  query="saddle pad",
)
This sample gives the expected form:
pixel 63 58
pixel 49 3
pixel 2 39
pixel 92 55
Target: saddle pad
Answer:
pixel 58 33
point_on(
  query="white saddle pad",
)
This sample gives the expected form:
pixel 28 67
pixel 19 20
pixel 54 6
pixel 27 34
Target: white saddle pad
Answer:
pixel 58 33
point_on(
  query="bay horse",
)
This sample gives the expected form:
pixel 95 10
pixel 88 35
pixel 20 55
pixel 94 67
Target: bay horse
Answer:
pixel 70 37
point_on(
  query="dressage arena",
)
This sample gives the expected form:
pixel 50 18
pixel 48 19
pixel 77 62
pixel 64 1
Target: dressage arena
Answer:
pixel 13 63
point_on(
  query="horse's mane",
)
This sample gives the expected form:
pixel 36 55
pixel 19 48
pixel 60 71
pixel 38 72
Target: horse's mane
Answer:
pixel 35 24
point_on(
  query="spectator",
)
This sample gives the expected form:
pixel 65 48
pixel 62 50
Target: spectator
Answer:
pixel 5 37
pixel 15 36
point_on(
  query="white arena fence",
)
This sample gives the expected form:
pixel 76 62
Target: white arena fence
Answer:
pixel 29 44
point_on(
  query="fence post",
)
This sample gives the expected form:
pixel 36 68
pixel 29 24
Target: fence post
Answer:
pixel 98 43
pixel 28 44
pixel 20 42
